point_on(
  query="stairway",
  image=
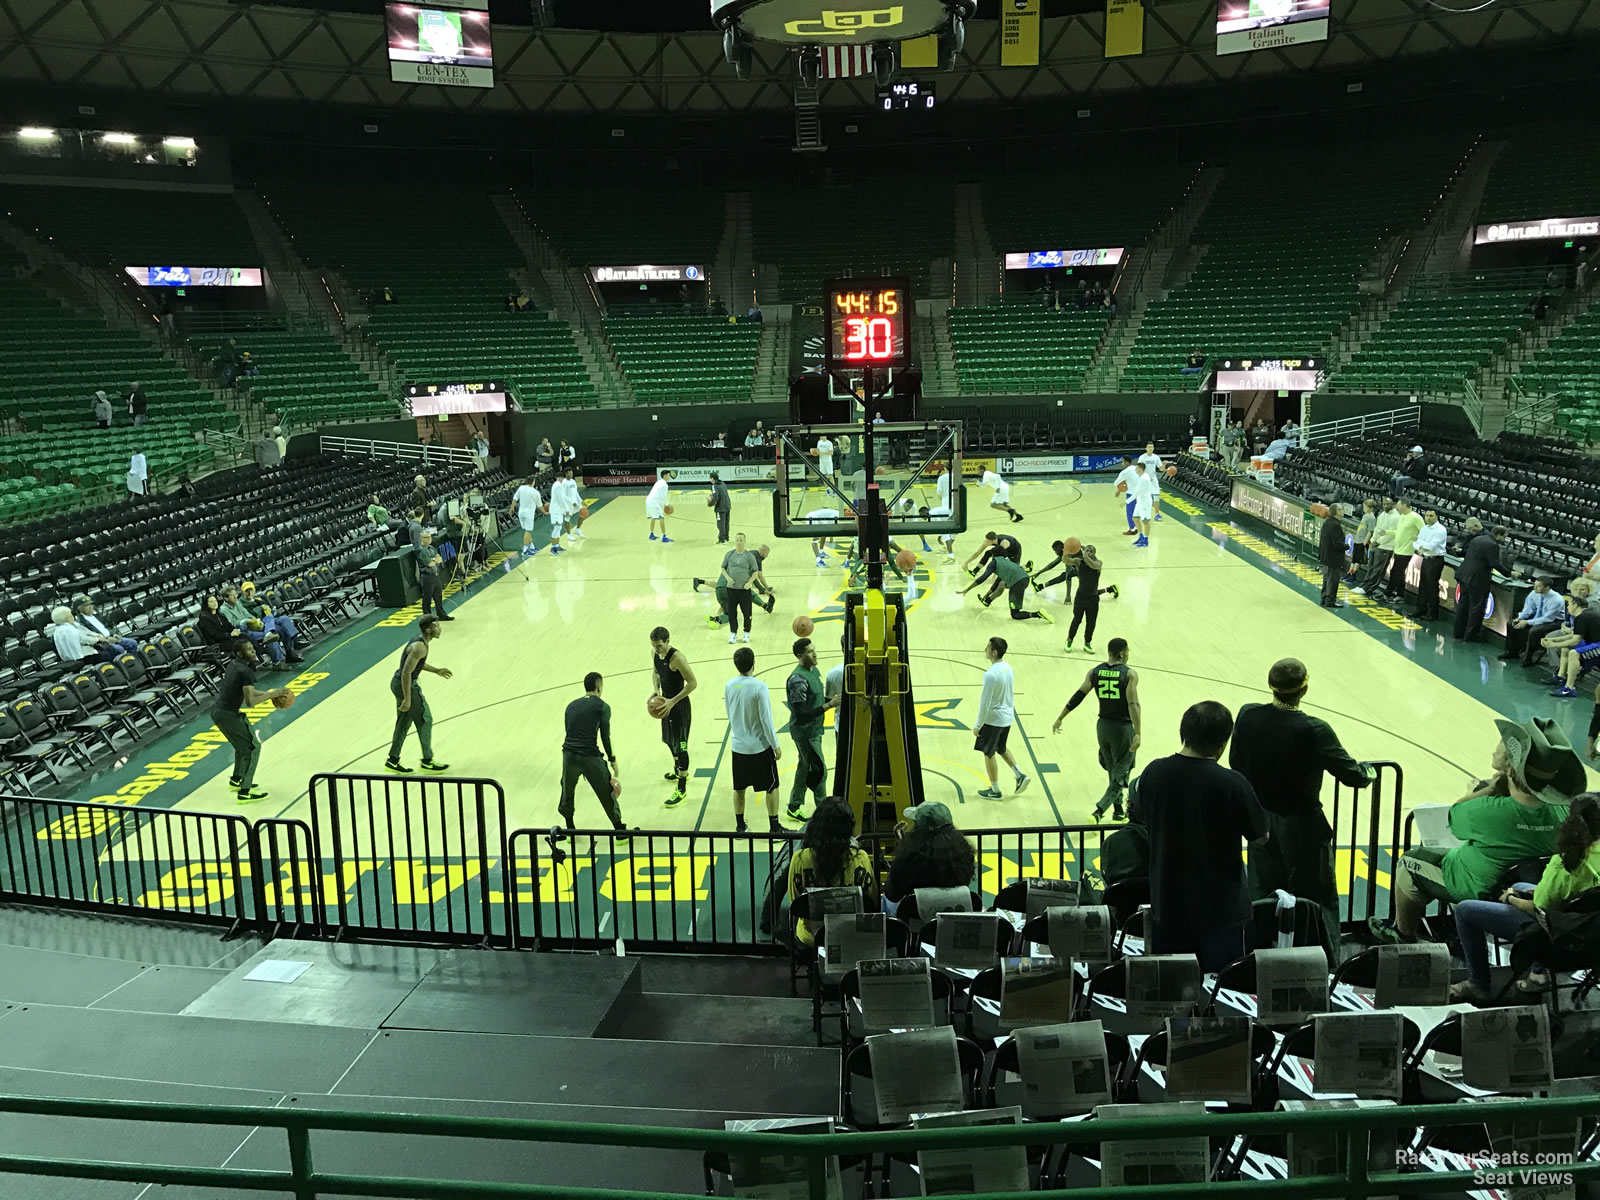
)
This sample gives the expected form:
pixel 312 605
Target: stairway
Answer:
pixel 1157 272
pixel 1441 245
pixel 1111 356
pixel 977 269
pixel 733 274
pixel 81 288
pixel 936 352
pixel 1493 380
pixel 572 299
pixel 291 281
pixel 771 382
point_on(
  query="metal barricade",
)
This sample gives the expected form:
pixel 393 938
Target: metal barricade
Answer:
pixel 292 882
pixel 146 862
pixel 1367 843
pixel 413 857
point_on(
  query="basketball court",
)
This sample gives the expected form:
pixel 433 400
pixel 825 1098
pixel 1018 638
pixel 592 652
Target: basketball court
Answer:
pixel 1205 619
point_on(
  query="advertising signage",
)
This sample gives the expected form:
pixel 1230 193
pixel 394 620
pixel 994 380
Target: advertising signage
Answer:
pixel 647 273
pixel 1030 260
pixel 194 276
pixel 1550 229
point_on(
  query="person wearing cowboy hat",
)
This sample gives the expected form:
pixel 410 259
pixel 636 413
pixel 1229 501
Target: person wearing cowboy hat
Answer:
pixel 279 623
pixel 1513 817
pixel 108 642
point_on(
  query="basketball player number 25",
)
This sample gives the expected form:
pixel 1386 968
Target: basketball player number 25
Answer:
pixel 868 338
pixel 1109 689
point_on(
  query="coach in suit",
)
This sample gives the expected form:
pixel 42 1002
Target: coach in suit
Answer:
pixel 1479 561
pixel 1331 554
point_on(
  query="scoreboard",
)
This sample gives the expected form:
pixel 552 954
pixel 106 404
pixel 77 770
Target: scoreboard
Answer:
pixel 448 399
pixel 905 96
pixel 868 323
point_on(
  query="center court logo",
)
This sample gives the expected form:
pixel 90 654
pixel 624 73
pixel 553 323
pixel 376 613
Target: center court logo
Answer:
pixel 846 23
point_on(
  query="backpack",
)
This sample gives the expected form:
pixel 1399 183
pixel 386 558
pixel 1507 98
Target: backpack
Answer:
pixel 775 903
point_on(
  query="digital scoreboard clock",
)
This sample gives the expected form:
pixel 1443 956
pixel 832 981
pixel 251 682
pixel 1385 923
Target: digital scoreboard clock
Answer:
pixel 869 323
pixel 903 97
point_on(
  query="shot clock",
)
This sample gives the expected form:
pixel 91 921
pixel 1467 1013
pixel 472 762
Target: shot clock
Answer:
pixel 869 323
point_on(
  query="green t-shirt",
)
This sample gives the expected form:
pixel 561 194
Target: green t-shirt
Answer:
pixel 1405 534
pixel 1009 572
pixel 1498 832
pixel 377 514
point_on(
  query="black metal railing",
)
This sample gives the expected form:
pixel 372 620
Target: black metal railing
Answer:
pixel 431 859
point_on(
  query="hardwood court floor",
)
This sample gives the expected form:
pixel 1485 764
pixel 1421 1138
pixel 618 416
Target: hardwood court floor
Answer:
pixel 1203 617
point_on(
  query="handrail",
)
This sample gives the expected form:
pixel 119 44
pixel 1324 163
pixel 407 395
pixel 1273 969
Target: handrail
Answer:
pixel 1357 1180
pixel 1472 405
pixel 1362 426
pixel 404 451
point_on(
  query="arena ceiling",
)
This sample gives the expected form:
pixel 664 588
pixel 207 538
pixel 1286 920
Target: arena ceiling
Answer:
pixel 198 49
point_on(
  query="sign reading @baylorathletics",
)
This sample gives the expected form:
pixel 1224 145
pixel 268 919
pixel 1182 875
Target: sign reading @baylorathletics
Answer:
pixel 832 22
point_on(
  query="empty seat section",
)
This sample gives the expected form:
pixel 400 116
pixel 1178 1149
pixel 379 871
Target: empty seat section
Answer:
pixel 599 228
pixel 1282 255
pixel 1067 212
pixel 123 227
pixel 1547 171
pixel 1568 370
pixel 1434 340
pixel 449 262
pixel 303 377
pixel 1023 348
pixel 682 359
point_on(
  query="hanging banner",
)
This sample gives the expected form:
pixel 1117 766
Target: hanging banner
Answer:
pixel 1124 28
pixel 1019 33
pixel 922 52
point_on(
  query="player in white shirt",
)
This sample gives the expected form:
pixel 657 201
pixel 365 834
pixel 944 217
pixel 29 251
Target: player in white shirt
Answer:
pixel 657 503
pixel 1002 494
pixel 563 507
pixel 525 505
pixel 1124 491
pixel 825 455
pixel 1152 468
pixel 819 545
pixel 996 715
pixel 1143 491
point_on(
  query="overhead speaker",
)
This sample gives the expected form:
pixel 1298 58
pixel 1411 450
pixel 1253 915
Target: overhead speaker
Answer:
pixel 883 63
pixel 810 66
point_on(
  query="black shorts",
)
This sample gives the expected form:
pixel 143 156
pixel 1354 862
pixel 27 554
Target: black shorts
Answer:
pixel 758 771
pixel 992 739
pixel 675 726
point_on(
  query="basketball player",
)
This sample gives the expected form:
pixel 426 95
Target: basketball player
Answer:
pixel 819 545
pixel 238 691
pixel 1086 608
pixel 947 540
pixel 1124 491
pixel 995 545
pixel 1069 568
pixel 1002 494
pixel 564 506
pixel 673 682
pixel 410 705
pixel 1014 577
pixel 587 718
pixel 1152 468
pixel 655 505
pixel 825 456
pixel 740 569
pixel 752 738
pixel 1116 686
pixel 525 504
pixel 1143 490
pixel 807 700
pixel 996 715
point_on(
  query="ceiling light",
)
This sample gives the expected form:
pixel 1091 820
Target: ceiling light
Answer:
pixel 119 139
pixel 178 143
pixel 36 133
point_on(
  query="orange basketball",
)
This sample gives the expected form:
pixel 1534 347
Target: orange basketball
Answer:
pixel 616 788
pixel 1071 546
pixel 583 513
pixel 1121 487
pixel 906 560
pixel 803 626
pixel 284 701
pixel 667 510
pixel 1172 472
pixel 711 501
pixel 544 508
pixel 655 706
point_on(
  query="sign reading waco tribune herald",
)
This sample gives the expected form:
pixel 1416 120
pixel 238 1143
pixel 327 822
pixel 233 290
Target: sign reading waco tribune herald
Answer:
pixel 645 273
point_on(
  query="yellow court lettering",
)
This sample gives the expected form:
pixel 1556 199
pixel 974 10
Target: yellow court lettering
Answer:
pixel 675 877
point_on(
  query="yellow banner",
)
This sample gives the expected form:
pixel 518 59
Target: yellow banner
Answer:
pixel 1019 33
pixel 920 52
pixel 1124 28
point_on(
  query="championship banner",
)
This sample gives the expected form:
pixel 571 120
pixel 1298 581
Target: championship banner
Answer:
pixel 1019 33
pixel 920 53
pixel 1124 28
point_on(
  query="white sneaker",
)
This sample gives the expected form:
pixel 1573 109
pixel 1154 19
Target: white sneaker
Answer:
pixel 732 638
pixel 578 533
pixel 1358 591
pixel 746 636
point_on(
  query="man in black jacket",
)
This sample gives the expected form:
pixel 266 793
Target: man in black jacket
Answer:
pixel 722 503
pixel 1284 752
pixel 1331 554
pixel 1479 561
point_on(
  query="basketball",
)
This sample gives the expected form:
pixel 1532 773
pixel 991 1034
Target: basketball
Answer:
pixel 583 513
pixel 711 501
pixel 906 560
pixel 544 508
pixel 667 509
pixel 1172 472
pixel 655 706
pixel 284 701
pixel 803 626
pixel 616 788
pixel 1121 487
pixel 1071 546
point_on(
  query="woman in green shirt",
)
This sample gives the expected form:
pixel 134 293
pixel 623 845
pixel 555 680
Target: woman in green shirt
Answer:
pixel 1571 871
pixel 1511 818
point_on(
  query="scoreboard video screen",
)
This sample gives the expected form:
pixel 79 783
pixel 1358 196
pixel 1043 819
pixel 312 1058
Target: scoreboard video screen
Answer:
pixel 439 44
pixel 868 323
pixel 452 399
